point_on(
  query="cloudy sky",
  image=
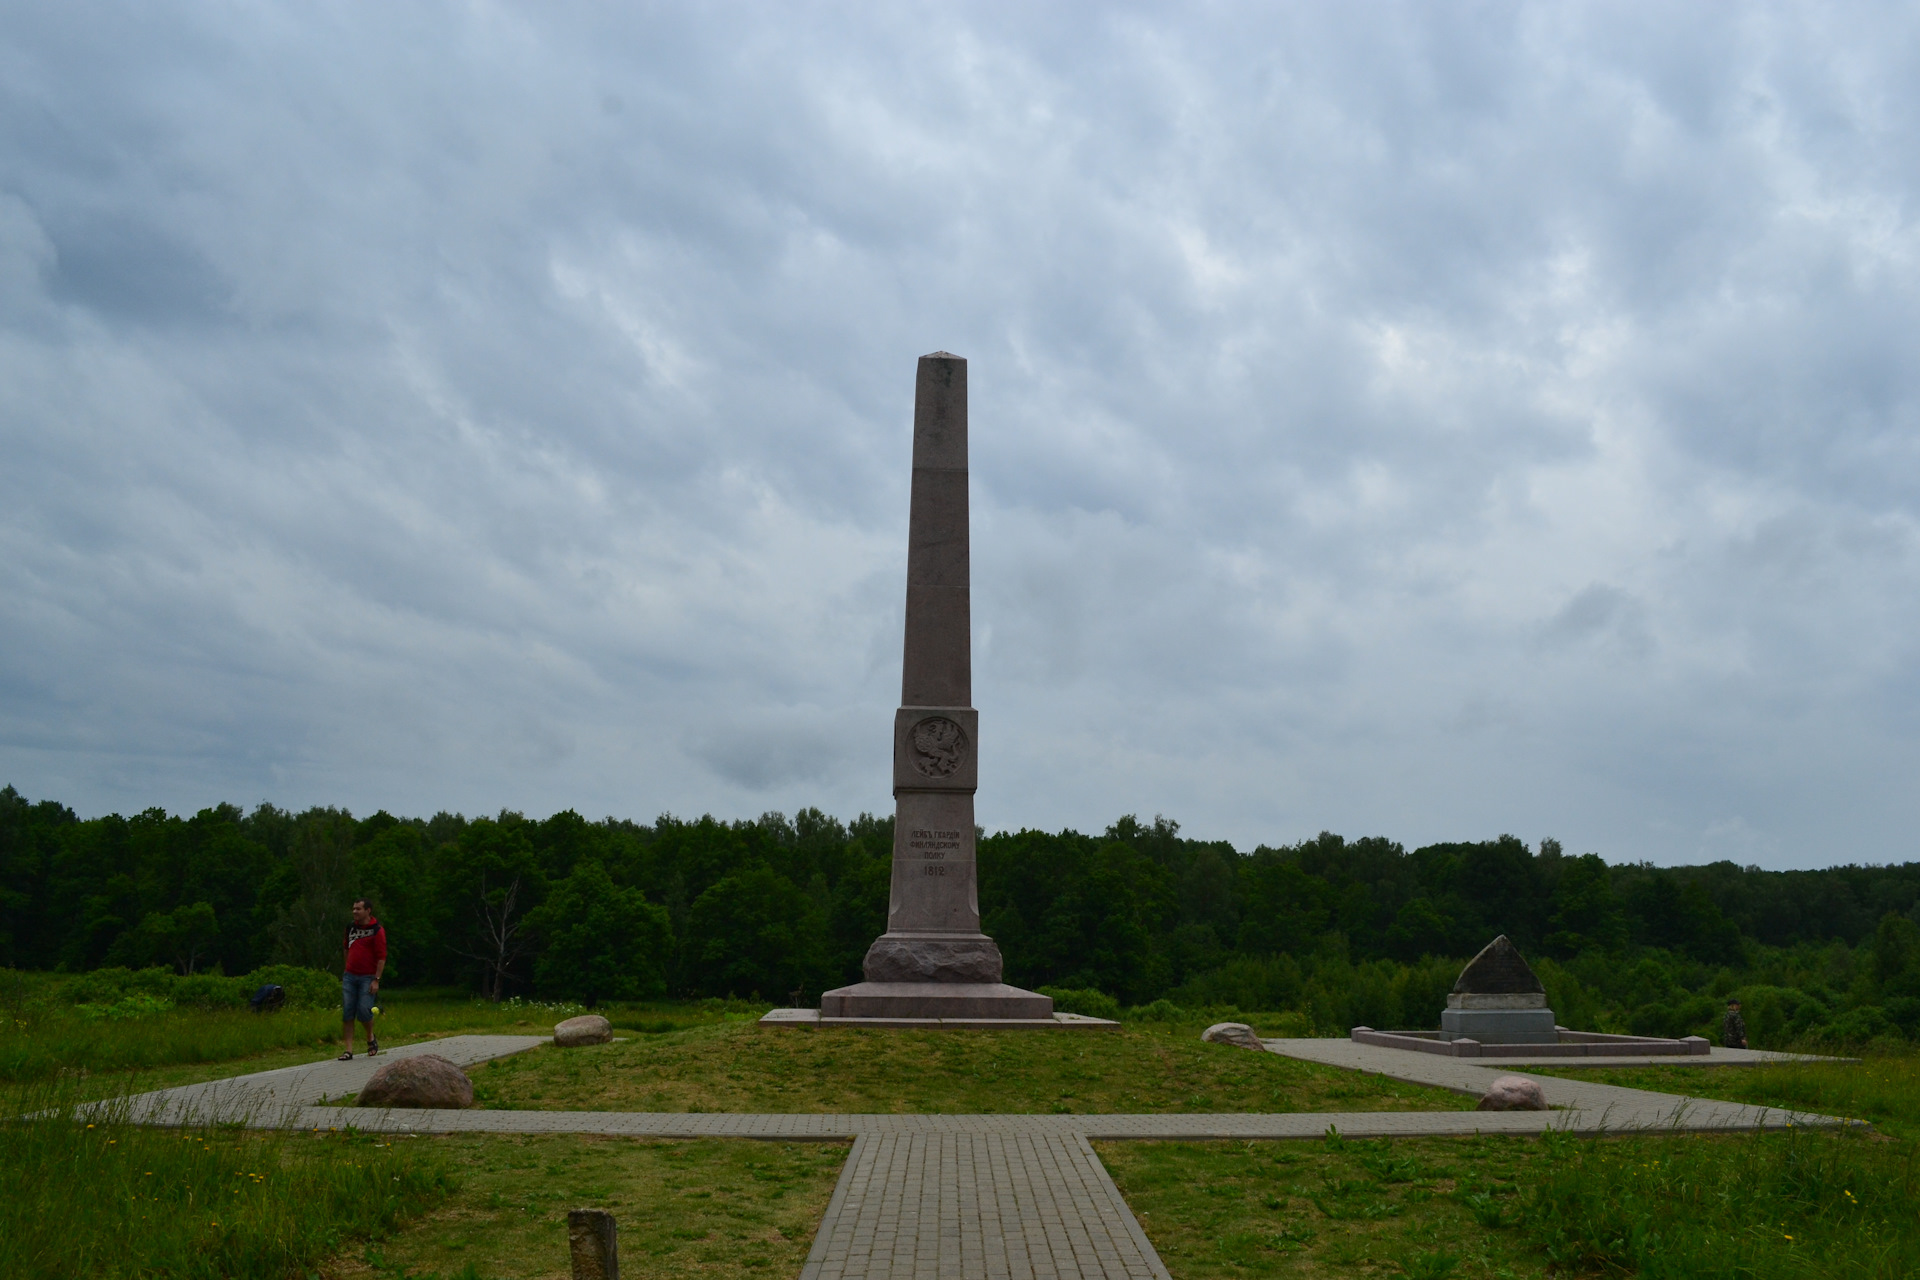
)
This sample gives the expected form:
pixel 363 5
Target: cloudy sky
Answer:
pixel 1422 420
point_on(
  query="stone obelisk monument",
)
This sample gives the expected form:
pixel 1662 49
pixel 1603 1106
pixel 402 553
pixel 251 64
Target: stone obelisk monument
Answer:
pixel 933 961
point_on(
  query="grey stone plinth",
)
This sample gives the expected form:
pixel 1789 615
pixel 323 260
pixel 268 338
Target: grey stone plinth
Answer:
pixel 924 957
pixel 1499 1026
pixel 1058 1022
pixel 1519 1000
pixel 934 1000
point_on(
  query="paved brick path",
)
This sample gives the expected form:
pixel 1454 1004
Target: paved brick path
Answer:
pixel 1587 1107
pixel 268 1099
pixel 1008 1205
pixel 938 1197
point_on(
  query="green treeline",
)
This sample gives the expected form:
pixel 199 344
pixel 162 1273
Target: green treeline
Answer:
pixel 1342 932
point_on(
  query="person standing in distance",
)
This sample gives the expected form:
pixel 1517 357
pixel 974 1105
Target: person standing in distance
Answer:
pixel 360 982
pixel 1733 1029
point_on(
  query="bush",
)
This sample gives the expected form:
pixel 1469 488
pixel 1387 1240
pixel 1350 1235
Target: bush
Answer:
pixel 135 1004
pixel 121 992
pixel 1161 1010
pixel 1084 1001
pixel 211 991
pixel 1857 1028
pixel 305 988
pixel 1289 1025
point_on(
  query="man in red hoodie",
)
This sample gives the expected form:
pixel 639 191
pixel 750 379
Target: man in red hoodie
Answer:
pixel 360 984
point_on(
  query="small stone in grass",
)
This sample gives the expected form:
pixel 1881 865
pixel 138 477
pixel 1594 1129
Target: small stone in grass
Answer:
pixel 1513 1093
pixel 1237 1033
pixel 588 1028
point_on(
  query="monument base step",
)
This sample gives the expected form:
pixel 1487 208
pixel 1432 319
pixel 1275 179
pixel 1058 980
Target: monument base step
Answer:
pixel 1052 1022
pixel 934 1000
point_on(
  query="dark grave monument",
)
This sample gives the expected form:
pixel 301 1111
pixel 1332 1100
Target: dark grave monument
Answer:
pixel 1498 1009
pixel 1497 1000
pixel 933 965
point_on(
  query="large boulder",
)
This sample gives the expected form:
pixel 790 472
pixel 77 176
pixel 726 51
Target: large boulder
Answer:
pixel 1513 1093
pixel 910 959
pixel 1238 1033
pixel 422 1080
pixel 588 1028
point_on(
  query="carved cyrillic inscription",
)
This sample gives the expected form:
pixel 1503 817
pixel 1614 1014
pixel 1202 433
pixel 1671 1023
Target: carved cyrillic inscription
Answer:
pixel 933 844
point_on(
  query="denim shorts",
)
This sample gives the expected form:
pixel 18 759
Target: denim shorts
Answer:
pixel 356 997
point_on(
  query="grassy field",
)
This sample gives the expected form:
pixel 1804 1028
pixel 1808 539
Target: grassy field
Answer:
pixel 739 1066
pixel 1884 1090
pixel 96 1058
pixel 1425 1207
pixel 117 1201
pixel 1798 1205
pixel 109 1200
pixel 720 1209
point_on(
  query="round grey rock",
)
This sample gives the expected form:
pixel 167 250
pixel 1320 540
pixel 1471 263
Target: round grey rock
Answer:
pixel 424 1080
pixel 588 1028
pixel 1236 1033
pixel 1513 1093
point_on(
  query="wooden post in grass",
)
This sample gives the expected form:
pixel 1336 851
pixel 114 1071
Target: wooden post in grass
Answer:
pixel 595 1243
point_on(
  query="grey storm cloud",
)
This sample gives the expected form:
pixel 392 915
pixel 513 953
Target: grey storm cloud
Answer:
pixel 1431 421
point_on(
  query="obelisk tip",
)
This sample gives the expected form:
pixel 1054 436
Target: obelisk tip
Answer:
pixel 941 355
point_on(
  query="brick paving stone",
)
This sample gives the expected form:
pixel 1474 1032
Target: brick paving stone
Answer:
pixel 1588 1107
pixel 1013 1205
pixel 265 1098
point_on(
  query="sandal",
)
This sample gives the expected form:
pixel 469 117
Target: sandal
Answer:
pixel 345 1057
pixel 373 1047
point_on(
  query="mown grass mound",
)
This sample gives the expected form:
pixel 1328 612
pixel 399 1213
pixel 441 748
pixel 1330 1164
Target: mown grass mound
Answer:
pixel 739 1066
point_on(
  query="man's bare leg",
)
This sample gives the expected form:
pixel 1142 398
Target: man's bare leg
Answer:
pixel 346 1034
pixel 368 1024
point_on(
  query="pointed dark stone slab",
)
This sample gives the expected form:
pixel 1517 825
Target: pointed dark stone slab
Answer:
pixel 1497 971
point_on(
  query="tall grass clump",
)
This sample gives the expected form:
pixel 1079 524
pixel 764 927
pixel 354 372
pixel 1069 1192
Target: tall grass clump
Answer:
pixel 1884 1089
pixel 40 1043
pixel 1796 1204
pixel 84 1194
pixel 128 1020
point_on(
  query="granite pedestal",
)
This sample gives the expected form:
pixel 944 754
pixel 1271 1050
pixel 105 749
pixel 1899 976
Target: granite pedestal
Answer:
pixel 1499 1018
